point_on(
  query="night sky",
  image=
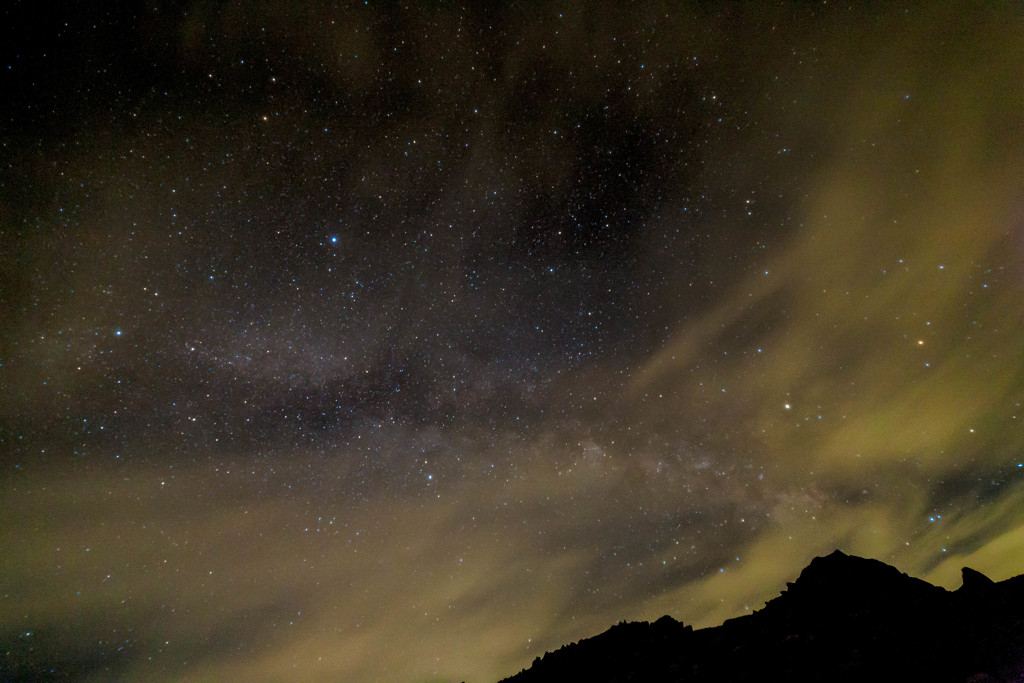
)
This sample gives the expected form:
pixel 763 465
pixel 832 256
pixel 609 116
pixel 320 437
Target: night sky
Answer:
pixel 377 342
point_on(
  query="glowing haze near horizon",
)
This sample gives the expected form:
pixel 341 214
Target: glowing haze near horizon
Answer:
pixel 353 343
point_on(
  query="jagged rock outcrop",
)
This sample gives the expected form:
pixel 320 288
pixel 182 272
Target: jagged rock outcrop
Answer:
pixel 845 618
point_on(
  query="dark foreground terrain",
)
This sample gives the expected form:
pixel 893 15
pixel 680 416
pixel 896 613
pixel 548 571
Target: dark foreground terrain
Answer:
pixel 844 619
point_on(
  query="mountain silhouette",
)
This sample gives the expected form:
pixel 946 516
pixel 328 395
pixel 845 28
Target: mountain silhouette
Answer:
pixel 845 618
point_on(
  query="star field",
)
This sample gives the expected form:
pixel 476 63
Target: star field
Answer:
pixel 364 342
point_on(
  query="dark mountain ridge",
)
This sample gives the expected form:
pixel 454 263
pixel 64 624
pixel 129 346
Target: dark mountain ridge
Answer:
pixel 845 618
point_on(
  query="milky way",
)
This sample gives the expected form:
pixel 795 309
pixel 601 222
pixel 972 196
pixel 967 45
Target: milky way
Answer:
pixel 376 343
